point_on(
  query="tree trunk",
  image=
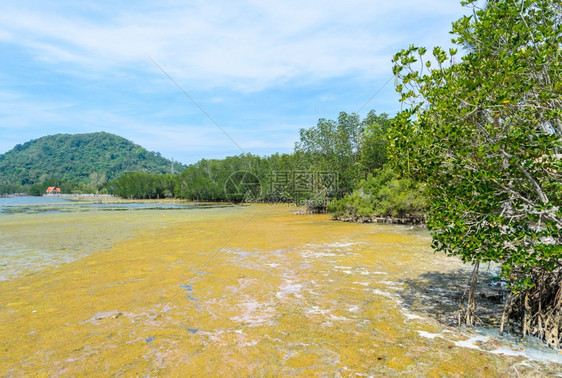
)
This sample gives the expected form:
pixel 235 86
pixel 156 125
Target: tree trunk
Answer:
pixel 505 313
pixel 467 316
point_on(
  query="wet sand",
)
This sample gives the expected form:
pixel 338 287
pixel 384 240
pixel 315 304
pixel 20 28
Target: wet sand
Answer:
pixel 236 292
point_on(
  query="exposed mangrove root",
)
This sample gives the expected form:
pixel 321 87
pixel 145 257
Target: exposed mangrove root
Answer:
pixel 467 315
pixel 538 309
pixel 505 313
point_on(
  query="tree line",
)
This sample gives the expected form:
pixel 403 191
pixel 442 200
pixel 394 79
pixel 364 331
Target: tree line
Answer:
pixel 332 164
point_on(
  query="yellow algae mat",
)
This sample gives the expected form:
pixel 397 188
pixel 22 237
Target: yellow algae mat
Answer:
pixel 228 292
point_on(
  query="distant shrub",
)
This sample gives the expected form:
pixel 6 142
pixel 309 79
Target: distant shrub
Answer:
pixel 382 195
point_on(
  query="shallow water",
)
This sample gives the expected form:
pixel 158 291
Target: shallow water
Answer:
pixel 37 232
pixel 229 291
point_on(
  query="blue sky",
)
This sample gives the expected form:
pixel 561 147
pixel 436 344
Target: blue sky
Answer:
pixel 261 69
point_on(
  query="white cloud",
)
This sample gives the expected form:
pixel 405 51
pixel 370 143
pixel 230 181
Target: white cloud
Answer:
pixel 83 66
pixel 247 45
pixel 18 110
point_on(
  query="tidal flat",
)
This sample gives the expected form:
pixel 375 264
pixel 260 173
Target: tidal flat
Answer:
pixel 233 291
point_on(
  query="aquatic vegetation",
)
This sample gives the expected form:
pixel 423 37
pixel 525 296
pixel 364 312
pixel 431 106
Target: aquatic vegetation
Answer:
pixel 276 294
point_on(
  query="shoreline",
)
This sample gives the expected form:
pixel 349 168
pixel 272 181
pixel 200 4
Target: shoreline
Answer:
pixel 86 195
pixel 411 220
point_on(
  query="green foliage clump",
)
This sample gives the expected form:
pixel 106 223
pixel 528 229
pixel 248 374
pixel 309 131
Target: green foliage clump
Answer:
pixel 141 185
pixel 209 180
pixel 7 188
pixel 485 133
pixel 382 195
pixel 66 187
pixel 349 146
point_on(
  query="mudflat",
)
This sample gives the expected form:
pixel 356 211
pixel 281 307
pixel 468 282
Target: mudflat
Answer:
pixel 233 291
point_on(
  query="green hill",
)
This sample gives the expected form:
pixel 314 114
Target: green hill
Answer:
pixel 75 157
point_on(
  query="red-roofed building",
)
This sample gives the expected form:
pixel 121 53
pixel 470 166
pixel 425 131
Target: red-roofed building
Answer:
pixel 53 190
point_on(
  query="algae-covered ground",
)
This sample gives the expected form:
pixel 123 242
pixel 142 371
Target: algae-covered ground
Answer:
pixel 229 291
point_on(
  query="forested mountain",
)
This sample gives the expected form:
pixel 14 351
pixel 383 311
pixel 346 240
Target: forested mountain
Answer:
pixel 74 158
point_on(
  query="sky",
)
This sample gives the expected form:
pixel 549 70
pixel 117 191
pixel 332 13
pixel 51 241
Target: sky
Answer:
pixel 203 79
